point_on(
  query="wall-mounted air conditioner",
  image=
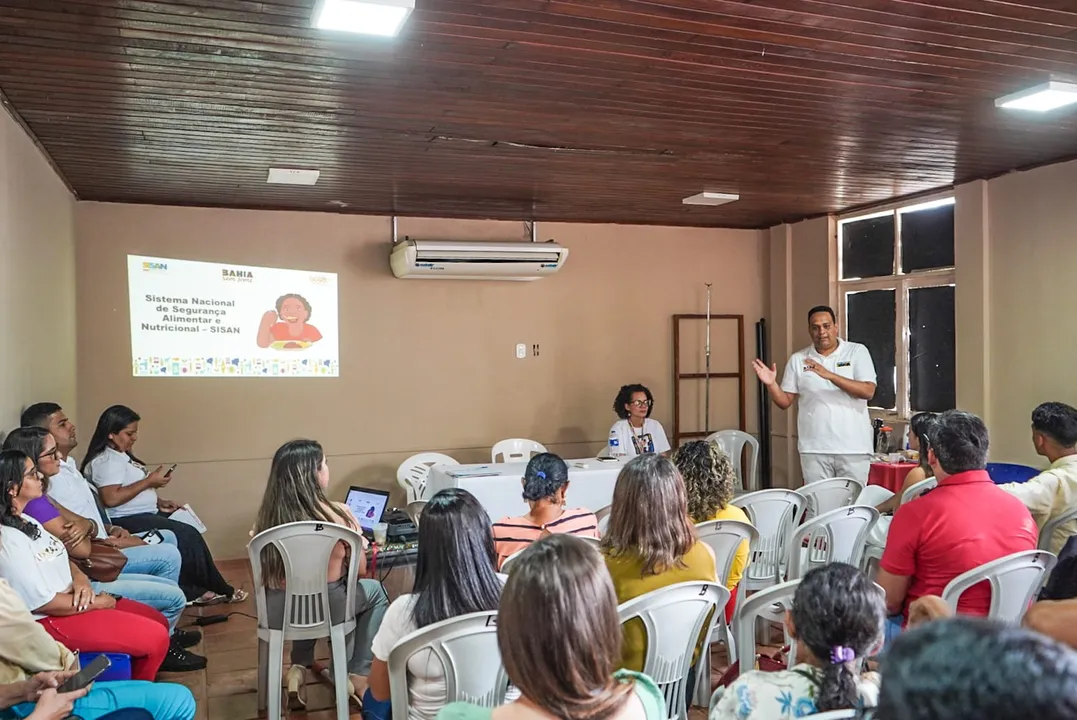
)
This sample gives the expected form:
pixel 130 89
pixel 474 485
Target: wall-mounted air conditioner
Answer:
pixel 452 260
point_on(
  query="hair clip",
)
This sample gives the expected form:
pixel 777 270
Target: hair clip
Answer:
pixel 541 474
pixel 841 655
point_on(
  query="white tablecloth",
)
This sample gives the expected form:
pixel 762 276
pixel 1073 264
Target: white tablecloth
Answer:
pixel 500 492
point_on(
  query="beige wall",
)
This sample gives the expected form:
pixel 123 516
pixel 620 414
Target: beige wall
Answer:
pixel 1031 221
pixel 37 279
pixel 426 365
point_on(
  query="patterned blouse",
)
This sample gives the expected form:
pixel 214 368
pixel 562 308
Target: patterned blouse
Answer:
pixel 778 695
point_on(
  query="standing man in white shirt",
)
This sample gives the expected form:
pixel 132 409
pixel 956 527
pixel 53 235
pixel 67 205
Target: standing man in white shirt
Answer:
pixel 835 378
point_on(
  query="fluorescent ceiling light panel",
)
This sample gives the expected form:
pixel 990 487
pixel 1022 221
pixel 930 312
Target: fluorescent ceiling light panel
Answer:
pixel 292 176
pixel 1041 98
pixel 367 17
pixel 711 199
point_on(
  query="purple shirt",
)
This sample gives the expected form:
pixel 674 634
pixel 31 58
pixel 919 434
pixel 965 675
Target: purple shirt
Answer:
pixel 41 509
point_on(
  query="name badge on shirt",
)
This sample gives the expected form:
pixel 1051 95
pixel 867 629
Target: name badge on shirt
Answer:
pixel 845 364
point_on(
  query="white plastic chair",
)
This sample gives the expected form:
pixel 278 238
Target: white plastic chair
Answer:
pixel 832 715
pixel 773 514
pixel 873 495
pixel 414 511
pixel 603 517
pixel 413 473
pixel 510 561
pixel 466 647
pixel 919 489
pixel 759 606
pixel 304 549
pixel 830 494
pixel 732 443
pixel 836 536
pixel 1015 580
pixel 1051 526
pixel 516 450
pixel 674 618
pixel 724 537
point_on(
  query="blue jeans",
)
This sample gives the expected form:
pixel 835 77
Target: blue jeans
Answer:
pixel 160 594
pixel 161 560
pixel 891 630
pixel 165 701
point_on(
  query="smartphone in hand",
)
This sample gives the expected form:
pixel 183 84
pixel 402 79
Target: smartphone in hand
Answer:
pixel 169 473
pixel 86 675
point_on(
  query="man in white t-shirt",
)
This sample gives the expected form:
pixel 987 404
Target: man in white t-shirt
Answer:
pixel 835 379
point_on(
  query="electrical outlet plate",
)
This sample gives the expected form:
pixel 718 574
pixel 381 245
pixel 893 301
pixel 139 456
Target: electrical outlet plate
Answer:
pixel 521 351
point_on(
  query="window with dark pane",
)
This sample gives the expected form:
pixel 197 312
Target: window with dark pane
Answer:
pixel 871 317
pixel 867 248
pixel 927 239
pixel 932 374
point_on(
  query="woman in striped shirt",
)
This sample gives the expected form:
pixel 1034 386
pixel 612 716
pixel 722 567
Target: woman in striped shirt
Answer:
pixel 545 484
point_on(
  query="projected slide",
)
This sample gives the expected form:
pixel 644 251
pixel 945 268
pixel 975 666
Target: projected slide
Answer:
pixel 198 319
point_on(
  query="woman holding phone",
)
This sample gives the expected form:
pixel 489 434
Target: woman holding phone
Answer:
pixel 130 493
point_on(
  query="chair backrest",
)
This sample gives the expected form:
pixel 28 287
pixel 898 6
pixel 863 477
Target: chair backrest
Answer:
pixel 413 472
pixel 516 450
pixel 832 715
pixel 1015 580
pixel 603 517
pixel 510 561
pixel 466 647
pixel 1049 529
pixel 675 618
pixel 774 514
pixel 831 494
pixel 758 606
pixel 873 495
pixel 305 548
pixel 724 538
pixel 732 443
pixel 837 536
pixel 414 511
pixel 919 489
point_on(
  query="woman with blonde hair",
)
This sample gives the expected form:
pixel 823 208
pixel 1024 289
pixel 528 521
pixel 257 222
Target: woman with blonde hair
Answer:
pixel 650 542
pixel 709 475
pixel 560 641
pixel 295 492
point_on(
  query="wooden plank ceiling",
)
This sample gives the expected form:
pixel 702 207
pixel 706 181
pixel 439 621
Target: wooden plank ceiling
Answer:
pixel 587 110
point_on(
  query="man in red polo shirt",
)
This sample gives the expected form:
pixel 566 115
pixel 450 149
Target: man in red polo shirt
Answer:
pixel 963 523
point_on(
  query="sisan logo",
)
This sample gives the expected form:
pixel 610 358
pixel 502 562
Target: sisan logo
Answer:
pixel 236 275
pixel 318 280
pixel 153 266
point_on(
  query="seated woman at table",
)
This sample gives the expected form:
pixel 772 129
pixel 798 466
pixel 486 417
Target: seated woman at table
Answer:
pixel 130 493
pixel 636 433
pixel 650 542
pixel 454 575
pixel 295 492
pixel 708 481
pixel 545 484
pixel 37 567
pixel 919 428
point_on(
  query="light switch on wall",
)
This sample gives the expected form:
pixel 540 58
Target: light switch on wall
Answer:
pixel 521 351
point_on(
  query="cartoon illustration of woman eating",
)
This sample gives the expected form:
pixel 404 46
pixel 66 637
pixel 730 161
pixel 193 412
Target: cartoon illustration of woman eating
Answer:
pixel 292 332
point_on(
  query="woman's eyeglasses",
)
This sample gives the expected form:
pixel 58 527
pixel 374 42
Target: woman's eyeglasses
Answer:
pixel 53 454
pixel 642 403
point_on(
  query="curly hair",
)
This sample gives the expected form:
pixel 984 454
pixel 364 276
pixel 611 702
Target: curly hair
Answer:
pixel 708 478
pixel 624 396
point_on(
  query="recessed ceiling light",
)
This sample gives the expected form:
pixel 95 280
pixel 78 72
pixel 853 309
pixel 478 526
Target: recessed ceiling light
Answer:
pixel 1048 96
pixel 710 198
pixel 292 176
pixel 368 17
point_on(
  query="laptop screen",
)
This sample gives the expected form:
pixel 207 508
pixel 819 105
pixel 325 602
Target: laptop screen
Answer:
pixel 367 505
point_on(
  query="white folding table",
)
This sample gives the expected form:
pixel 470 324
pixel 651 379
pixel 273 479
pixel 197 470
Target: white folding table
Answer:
pixel 497 486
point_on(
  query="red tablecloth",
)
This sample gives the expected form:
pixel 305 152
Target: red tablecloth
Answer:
pixel 889 475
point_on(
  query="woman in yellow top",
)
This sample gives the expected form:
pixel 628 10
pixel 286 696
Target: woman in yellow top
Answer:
pixel 650 542
pixel 708 480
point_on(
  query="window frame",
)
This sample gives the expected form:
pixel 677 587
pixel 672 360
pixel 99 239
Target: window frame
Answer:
pixel 901 283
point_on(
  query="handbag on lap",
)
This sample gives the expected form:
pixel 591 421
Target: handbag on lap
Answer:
pixel 104 564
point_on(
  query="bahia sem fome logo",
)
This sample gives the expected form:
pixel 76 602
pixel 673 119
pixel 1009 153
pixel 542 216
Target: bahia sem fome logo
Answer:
pixel 153 266
pixel 228 275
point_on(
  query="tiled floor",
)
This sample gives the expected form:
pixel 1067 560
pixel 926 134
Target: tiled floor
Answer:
pixel 227 688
